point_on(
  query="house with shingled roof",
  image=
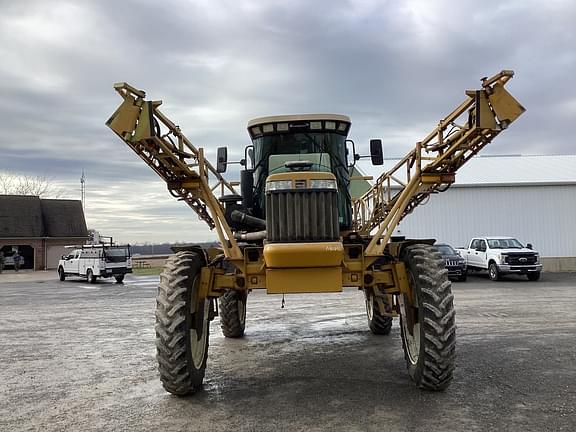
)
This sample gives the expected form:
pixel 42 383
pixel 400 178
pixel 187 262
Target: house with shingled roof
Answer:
pixel 40 228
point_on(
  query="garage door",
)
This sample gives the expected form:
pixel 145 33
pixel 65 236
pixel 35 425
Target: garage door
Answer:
pixel 53 255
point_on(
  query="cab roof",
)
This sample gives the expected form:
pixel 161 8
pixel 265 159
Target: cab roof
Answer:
pixel 298 117
pixel 331 123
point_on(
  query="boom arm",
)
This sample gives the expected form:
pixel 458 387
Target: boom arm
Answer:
pixel 431 166
pixel 161 144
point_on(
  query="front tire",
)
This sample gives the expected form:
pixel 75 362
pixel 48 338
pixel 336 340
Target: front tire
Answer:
pixel 379 324
pixel 119 279
pixel 427 321
pixel 182 325
pixel 463 276
pixel 233 313
pixel 61 274
pixel 533 276
pixel 493 272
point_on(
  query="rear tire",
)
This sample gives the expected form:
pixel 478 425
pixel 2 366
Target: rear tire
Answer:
pixel 378 323
pixel 427 325
pixel 61 274
pixel 233 313
pixel 119 279
pixel 533 276
pixel 182 330
pixel 493 272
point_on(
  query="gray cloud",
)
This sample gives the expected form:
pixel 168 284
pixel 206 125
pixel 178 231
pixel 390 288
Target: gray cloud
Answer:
pixel 395 67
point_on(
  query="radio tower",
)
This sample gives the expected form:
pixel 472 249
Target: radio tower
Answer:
pixel 83 191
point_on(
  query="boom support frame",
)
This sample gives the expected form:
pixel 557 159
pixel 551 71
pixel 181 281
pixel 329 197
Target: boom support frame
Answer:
pixel 430 167
pixel 161 144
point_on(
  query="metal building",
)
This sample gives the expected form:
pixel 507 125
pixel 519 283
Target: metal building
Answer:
pixel 532 198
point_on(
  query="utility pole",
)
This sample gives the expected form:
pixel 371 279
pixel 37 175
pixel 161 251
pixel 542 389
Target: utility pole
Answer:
pixel 83 191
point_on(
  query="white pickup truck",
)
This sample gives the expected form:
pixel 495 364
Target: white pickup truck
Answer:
pixel 94 261
pixel 500 256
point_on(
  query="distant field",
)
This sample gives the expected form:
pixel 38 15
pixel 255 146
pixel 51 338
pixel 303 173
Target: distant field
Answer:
pixel 147 271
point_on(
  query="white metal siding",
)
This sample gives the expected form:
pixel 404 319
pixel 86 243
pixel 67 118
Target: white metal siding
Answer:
pixel 542 215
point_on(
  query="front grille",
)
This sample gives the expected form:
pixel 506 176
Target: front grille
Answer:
pixel 521 259
pixel 302 215
pixel 451 263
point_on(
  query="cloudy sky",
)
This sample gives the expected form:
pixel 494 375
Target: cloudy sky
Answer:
pixel 395 67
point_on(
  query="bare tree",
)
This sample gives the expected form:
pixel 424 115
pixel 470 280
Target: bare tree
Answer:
pixel 16 184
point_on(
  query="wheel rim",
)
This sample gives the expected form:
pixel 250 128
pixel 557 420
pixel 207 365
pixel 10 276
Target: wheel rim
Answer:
pixel 492 272
pixel 370 306
pixel 411 341
pixel 198 346
pixel 241 305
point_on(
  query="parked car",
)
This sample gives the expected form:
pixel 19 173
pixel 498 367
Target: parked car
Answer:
pixel 9 260
pixel 500 256
pixel 455 264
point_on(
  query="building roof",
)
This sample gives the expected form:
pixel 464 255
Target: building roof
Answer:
pixel 63 218
pixel 511 170
pixel 30 216
pixel 20 216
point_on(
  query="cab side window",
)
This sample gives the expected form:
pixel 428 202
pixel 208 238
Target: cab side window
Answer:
pixel 482 245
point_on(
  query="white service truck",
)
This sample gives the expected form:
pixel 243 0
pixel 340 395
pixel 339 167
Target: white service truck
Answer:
pixel 500 256
pixel 94 261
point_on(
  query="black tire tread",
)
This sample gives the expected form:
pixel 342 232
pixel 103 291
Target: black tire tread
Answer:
pixel 379 324
pixel 230 322
pixel 437 361
pixel 171 327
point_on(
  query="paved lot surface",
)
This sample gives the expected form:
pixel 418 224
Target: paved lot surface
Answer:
pixel 80 357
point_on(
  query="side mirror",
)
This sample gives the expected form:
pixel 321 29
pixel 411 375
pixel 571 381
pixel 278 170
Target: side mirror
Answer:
pixel 222 161
pixel 529 245
pixel 376 153
pixel 250 154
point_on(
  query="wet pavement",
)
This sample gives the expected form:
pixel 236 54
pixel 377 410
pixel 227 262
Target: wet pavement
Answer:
pixel 80 357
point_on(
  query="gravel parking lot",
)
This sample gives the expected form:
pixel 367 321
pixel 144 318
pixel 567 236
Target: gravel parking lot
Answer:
pixel 81 357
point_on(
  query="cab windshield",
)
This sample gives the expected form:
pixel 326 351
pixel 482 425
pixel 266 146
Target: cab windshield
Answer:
pixel 504 244
pixel 326 151
pixel 445 250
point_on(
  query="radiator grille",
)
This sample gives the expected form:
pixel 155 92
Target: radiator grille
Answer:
pixel 521 259
pixel 302 215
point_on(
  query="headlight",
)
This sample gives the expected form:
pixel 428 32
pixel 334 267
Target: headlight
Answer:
pixel 502 258
pixel 323 184
pixel 537 258
pixel 278 185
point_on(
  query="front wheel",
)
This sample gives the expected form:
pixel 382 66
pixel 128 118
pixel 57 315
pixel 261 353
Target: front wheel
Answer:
pixel 493 272
pixel 119 278
pixel 61 274
pixel 463 276
pixel 427 321
pixel 379 324
pixel 182 325
pixel 533 276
